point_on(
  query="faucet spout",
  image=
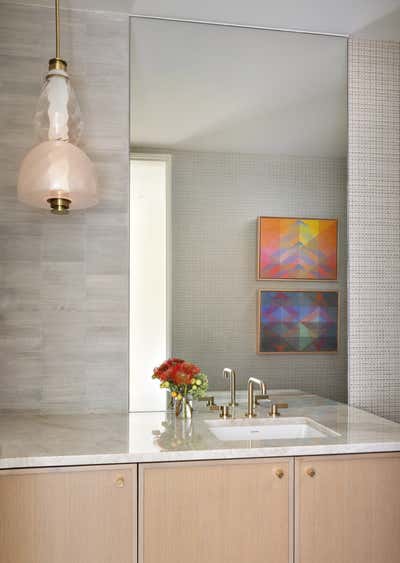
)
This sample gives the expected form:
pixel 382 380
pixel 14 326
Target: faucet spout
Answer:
pixel 231 375
pixel 250 394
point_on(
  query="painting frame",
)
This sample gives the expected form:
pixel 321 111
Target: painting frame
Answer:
pixel 260 219
pixel 296 352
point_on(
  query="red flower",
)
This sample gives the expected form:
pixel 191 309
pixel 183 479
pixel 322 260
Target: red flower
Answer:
pixel 176 371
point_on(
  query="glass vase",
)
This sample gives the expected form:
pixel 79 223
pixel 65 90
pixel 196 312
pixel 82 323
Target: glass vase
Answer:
pixel 184 408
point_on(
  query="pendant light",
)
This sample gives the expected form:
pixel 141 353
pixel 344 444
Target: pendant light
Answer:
pixel 56 174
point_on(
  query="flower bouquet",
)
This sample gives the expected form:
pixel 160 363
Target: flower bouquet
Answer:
pixel 184 381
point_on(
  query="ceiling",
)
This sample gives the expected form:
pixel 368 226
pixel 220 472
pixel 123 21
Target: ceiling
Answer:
pixel 333 16
pixel 222 89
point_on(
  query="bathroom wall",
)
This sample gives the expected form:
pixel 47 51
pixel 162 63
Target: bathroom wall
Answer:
pixel 216 200
pixel 374 227
pixel 64 280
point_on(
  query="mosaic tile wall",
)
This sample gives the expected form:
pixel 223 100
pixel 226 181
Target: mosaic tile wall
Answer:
pixel 374 227
pixel 216 200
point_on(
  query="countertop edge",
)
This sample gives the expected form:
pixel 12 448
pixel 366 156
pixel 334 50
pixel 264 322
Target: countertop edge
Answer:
pixel 202 455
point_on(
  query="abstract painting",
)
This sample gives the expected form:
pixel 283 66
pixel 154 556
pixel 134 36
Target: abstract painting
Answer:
pixel 297 322
pixel 297 249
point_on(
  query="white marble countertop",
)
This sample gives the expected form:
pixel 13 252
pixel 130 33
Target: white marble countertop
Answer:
pixel 62 440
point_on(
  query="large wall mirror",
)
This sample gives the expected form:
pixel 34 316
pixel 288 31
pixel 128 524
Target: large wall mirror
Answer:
pixel 230 125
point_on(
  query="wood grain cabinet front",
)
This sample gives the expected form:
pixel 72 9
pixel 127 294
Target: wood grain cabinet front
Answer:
pixel 216 512
pixel 77 515
pixel 348 509
pixel 321 509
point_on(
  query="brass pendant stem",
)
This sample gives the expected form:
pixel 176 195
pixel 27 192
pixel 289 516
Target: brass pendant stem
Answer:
pixel 59 205
pixel 58 40
pixel 58 63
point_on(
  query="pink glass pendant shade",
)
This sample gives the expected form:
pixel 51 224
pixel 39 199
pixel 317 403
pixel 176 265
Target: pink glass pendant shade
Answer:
pixel 56 174
pixel 57 169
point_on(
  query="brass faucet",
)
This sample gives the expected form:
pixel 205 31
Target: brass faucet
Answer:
pixel 231 375
pixel 250 395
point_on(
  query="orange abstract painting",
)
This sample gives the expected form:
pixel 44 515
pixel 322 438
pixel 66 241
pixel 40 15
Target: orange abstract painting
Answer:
pixel 297 249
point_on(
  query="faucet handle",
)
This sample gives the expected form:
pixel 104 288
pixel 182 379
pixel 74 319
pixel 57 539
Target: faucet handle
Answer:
pixel 275 408
pixel 209 400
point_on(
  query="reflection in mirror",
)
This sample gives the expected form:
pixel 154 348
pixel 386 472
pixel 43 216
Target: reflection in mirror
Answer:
pixel 251 123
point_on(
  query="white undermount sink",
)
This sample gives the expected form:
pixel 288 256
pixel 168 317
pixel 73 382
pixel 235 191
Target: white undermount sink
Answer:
pixel 293 428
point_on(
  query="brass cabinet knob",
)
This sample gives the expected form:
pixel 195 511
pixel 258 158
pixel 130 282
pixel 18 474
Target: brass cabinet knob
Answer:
pixel 279 473
pixel 120 482
pixel 310 471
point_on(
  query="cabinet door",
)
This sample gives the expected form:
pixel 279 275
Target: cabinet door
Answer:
pixel 79 515
pixel 348 509
pixel 215 512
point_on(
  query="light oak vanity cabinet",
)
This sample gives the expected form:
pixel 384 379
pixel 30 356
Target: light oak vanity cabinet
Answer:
pixel 345 509
pixel 70 515
pixel 348 509
pixel 217 511
pixel 320 509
